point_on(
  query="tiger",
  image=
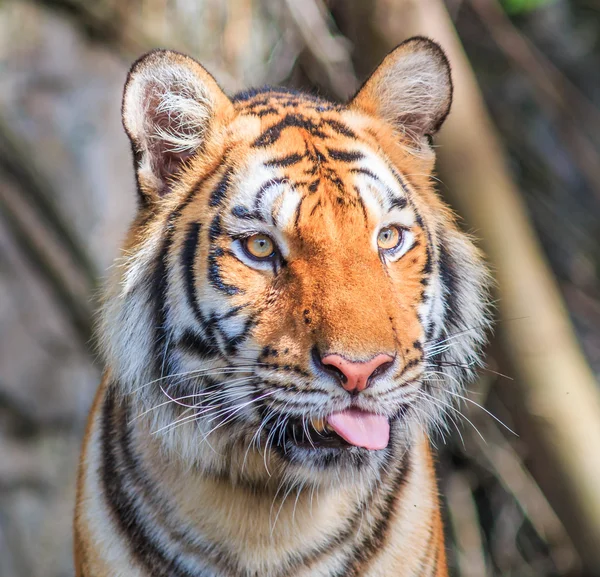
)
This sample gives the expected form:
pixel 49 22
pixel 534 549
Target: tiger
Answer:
pixel 294 313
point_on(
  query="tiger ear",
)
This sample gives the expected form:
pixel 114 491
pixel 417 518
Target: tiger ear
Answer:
pixel 170 105
pixel 411 89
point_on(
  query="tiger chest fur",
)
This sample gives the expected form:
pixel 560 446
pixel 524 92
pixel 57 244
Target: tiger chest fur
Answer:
pixel 287 323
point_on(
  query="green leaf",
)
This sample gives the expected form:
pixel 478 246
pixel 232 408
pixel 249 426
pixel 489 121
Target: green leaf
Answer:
pixel 523 6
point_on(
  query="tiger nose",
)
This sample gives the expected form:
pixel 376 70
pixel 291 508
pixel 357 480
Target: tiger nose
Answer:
pixel 356 376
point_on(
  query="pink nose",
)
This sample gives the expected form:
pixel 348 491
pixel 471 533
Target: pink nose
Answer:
pixel 355 376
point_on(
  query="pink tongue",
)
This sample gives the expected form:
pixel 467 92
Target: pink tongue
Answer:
pixel 361 428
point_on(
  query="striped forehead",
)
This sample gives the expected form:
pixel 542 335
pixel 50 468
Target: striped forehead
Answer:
pixel 382 188
pixel 270 193
pixel 262 193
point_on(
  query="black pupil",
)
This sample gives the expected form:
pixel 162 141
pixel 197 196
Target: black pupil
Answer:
pixel 260 247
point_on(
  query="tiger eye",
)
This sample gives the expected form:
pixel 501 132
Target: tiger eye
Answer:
pixel 389 238
pixel 259 246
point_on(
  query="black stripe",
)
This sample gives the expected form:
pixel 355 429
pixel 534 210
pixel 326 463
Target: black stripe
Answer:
pixel 159 278
pixel 316 157
pixel 314 208
pixel 430 331
pixel 119 501
pixel 215 230
pixel 361 203
pixel 335 179
pixel 288 103
pixel 366 172
pixel 158 292
pixel 393 200
pixel 188 257
pixel 449 278
pixel 272 134
pixel 428 266
pixel 214 274
pixel 298 212
pixel 288 160
pixel 124 485
pixel 399 202
pixel 265 111
pixel 345 155
pixel 399 179
pixel 195 344
pixel 220 192
pixel 365 551
pixel 339 127
pixel 242 212
pixel 160 286
pixel 232 343
pixel 264 188
pixel 232 312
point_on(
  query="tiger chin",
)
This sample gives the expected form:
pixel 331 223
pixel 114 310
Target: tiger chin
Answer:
pixel 294 312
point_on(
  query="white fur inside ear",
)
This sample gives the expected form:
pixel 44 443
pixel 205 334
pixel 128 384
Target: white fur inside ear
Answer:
pixel 415 92
pixel 187 108
pixel 167 110
pixel 411 89
pixel 168 103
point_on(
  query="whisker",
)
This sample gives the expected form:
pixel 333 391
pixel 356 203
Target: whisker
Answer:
pixel 451 407
pixel 203 393
pixel 470 400
pixel 469 365
pixel 485 411
pixel 208 410
pixel 281 507
pixel 203 372
pixel 237 410
pixel 300 489
pixel 178 401
pixel 255 440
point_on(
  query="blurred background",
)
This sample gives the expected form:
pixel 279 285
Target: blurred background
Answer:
pixel 518 159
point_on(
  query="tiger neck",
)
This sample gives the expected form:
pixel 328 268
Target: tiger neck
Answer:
pixel 264 530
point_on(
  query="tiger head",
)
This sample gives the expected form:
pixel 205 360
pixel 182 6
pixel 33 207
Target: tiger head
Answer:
pixel 294 296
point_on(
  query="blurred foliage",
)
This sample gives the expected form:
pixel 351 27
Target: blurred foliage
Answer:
pixel 523 6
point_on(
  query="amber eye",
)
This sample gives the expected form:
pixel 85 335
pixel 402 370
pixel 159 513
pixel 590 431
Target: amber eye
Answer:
pixel 389 238
pixel 259 246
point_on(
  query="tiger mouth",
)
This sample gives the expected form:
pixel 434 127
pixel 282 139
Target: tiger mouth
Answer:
pixel 343 429
pixel 315 433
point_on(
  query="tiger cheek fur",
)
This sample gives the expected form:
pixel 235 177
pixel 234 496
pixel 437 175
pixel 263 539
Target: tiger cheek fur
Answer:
pixel 295 312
